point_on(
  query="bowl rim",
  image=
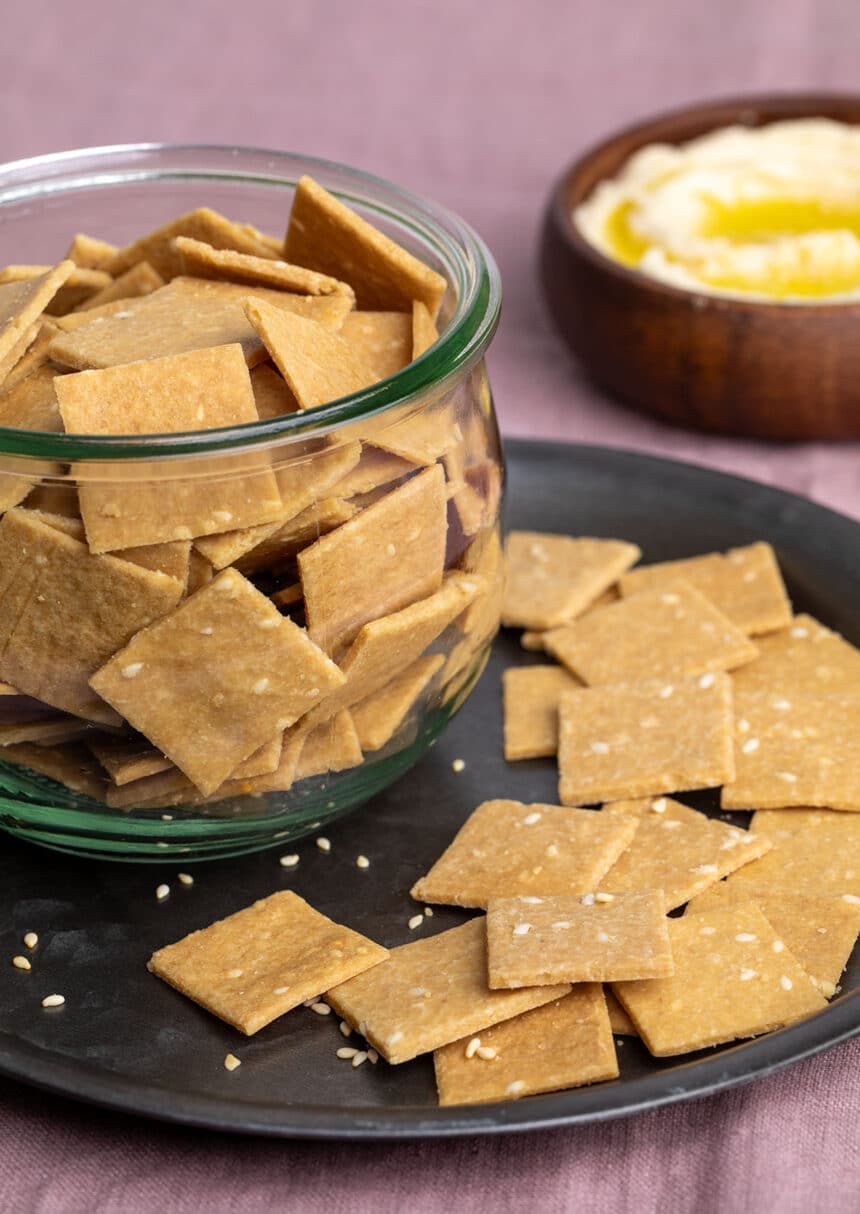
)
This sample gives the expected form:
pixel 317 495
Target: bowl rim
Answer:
pixel 797 105
pixel 462 342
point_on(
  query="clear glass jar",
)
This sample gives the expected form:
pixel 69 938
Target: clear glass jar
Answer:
pixel 386 646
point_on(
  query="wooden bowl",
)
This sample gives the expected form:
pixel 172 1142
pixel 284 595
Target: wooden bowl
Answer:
pixel 782 371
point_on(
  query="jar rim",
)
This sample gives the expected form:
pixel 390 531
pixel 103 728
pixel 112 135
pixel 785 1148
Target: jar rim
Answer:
pixel 469 263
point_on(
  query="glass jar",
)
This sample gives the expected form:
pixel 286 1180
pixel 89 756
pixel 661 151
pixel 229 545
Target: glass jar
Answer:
pixel 373 593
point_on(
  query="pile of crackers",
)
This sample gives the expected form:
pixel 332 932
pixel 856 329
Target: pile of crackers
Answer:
pixel 661 691
pixel 180 631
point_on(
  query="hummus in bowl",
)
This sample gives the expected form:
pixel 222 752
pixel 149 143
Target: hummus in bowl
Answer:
pixel 770 213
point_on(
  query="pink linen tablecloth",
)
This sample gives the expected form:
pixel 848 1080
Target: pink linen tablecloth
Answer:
pixel 479 106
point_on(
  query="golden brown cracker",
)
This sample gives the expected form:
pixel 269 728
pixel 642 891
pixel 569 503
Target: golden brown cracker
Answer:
pixel 201 260
pixel 252 672
pixel 69 764
pixel 332 746
pixel 23 303
pixel 530 701
pixel 619 1021
pixel 30 405
pixel 507 849
pixel 282 545
pixel 424 331
pixel 379 717
pixel 374 470
pixel 40 728
pixel 90 252
pixel 429 993
pixel 729 983
pixel 80 286
pixel 32 358
pixel 158 248
pixel 271 394
pixel 564 1044
pixel 804 658
pixel 328 236
pixel 141 279
pixel 645 739
pixel 533 941
pixel 820 855
pixel 262 961
pixel 381 340
pixel 553 578
pixel 127 759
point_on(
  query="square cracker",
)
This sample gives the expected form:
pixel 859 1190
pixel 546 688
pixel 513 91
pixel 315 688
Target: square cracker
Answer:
pixel 69 764
pixel 30 405
pixel 282 545
pixel 379 717
pixel 805 658
pixel 678 850
pixel 39 727
pixel 745 584
pixel 656 634
pixel 194 391
pixel 506 849
pixel 424 331
pixel 262 961
pixel 141 279
pixel 90 252
pixel 799 751
pixel 32 357
pixel 553 578
pixel 534 941
pixel 213 681
pixel 382 340
pixel 530 696
pixel 532 639
pixel 187 314
pixel 564 1044
pixel 201 260
pixel 820 855
pixel 390 555
pixel 374 470
pixel 643 739
pixel 429 993
pixel 158 248
pixel 728 983
pixel 326 235
pixel 64 612
pixel 619 1021
pixel 820 930
pixel 23 303
pixel 128 759
pixel 271 394
pixel 332 746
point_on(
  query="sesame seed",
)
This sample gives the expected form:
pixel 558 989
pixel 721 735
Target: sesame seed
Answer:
pixel 347 1051
pixel 206 632
pixel 53 1001
pixel 289 861
pixel 743 725
pixel 552 850
pixel 473 1047
pixel 362 862
pixel 777 946
pixel 659 806
pixel 281 990
pixel 185 878
pixel 788 776
pixel 234 973
pixel 522 929
pixel 223 516
pixel 486 1052
pixel 428 911
pixel 600 748
pixel 30 939
pixel 707 680
pixel 532 900
pixel 530 819
pixel 21 963
pixel 516 1087
pixel 665 692
pixel 707 931
pixel 562 923
pixel 747 974
pixel 602 937
pixel 745 937
pixel 167 817
pixel 750 745
pixel 414 922
pixel 782 704
pixel 260 686
pixel 671 823
pixel 587 899
pixel 394 1038
pixel 323 844
pixel 786 983
pixel 705 870
pixel 345 1029
pixel 800 632
pixel 321 1009
pixel 458 765
pixel 133 668
pixel 604 897
pixel 162 892
pixel 852 898
pixel 360 1057
pixel 372 1057
pixel 669 598
pixel 231 1062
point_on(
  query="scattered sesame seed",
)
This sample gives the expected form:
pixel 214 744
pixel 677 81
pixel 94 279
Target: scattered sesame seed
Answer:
pixel 260 686
pixel 167 817
pixel 522 929
pixel 745 937
pixel 234 973
pixel 206 632
pixel 458 765
pixel 21 963
pixel 162 892
pixel 602 937
pixel 428 911
pixel 372 1057
pixel 531 899
pixel 786 983
pixel 600 748
pixel 665 692
pixel 852 898
pixel 604 897
pixel 552 850
pixel 133 668
pixel 231 1062
pixel 788 776
pixel 516 1087
pixel 487 1052
pixel 185 878
pixel 707 680
pixel 782 704
pixel 659 806
pixel 473 1047
pixel 587 899
pixel 562 923
pixel 281 990
pixel 414 922
pixel 671 823
pixel 822 931
pixel 53 1001
pixel 323 844
pixel 417 992
pixel 777 946
pixel 345 1029
pixel 747 974
pixel 707 931
pixel 347 1051
pixel 360 1057
pixel 800 632
pixel 30 939
pixel 362 862
pixel 750 745
pixel 669 598
pixel 530 819
pixel 321 1009
pixel 394 1038
pixel 743 725
pixel 289 861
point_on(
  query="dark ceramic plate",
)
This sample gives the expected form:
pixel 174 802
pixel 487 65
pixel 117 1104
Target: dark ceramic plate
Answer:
pixel 127 1041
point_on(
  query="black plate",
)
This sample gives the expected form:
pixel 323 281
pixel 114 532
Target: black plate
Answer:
pixel 127 1041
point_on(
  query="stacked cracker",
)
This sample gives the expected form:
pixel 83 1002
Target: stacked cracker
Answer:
pixel 183 632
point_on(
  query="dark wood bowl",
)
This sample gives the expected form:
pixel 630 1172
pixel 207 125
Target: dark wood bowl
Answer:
pixel 730 366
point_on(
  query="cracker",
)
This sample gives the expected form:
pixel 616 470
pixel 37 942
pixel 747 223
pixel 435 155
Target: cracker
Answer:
pixel 299 484
pixel 187 314
pixel 282 545
pixel 745 584
pixel 141 279
pixel 805 658
pixel 271 394
pixel 326 235
pixel 476 499
pixel 33 356
pixel 553 578
pixel 158 248
pixel 90 252
pixel 820 930
pixel 204 388
pixel 171 558
pixel 261 962
pixel 678 850
pixel 507 849
pixel 562 938
pixel 252 671
pixel 80 286
pixel 70 765
pixel 424 331
pixel 30 405
pixel 374 470
pixel 127 760
pixel 64 612
pixel 382 340
pixel 6 689
pixel 18 350
pixel 287 596
pixel 655 634
pixel 645 739
pixel 799 751
pixel 319 366
pixel 530 698
pixel 533 638
pixel 421 437
pixel 619 1021
pixel 332 746
pixel 379 717
pixel 23 303
pixel 564 1044
pixel 39 728
pixel 200 260
pixel 728 983
pixel 429 993
pixel 392 554
pixel 821 855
